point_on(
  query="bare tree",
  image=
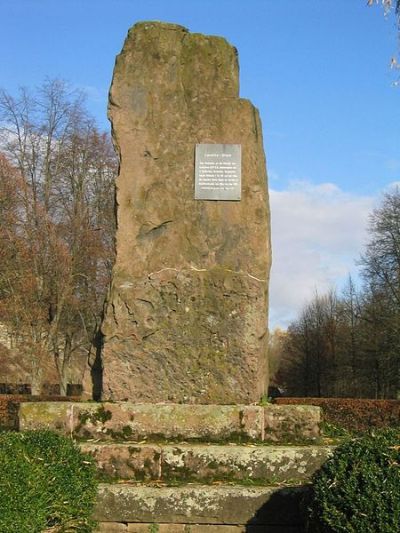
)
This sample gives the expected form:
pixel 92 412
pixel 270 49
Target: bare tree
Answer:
pixel 67 167
pixel 388 5
pixel 380 266
pixel 381 261
pixel 309 351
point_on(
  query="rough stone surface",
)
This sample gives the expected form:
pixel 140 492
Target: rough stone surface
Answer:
pixel 160 422
pixel 207 463
pixel 187 310
pixel 156 422
pixel 47 415
pixel 134 462
pixel 200 504
pixel 118 527
pixel 267 464
pixel 211 528
pixel 283 424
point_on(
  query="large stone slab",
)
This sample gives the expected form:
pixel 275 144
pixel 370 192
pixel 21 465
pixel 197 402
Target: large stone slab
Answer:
pixel 155 422
pixel 200 504
pixel 207 463
pixel 291 423
pixel 241 463
pixel 163 422
pixel 186 315
pixel 120 527
pixel 126 461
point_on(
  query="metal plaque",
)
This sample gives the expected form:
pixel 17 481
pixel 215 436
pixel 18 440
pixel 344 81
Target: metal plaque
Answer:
pixel 218 172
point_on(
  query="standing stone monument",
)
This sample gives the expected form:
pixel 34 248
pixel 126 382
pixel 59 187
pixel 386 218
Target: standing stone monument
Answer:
pixel 186 315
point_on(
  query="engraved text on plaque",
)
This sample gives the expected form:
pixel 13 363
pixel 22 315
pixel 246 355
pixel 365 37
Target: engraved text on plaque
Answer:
pixel 218 172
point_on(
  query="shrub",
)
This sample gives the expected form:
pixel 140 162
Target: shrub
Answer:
pixel 358 488
pixel 46 484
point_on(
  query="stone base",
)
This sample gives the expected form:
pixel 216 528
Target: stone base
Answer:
pixel 119 527
pixel 176 468
pixel 206 463
pixel 176 422
pixel 201 504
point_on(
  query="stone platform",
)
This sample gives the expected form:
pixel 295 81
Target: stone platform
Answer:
pixel 175 468
pixel 109 527
pixel 206 463
pixel 201 505
pixel 160 422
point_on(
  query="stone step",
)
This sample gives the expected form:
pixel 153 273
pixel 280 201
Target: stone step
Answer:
pixel 207 463
pixel 178 422
pixel 224 505
pixel 121 527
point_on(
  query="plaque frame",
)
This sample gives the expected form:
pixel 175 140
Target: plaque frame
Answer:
pixel 218 172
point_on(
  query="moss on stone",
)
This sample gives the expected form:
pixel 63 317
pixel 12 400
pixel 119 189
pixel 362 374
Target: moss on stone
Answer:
pixel 100 415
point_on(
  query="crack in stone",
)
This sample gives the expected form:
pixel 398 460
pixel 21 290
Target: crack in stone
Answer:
pixel 195 269
pixel 144 337
pixel 114 312
pixel 130 312
pixel 143 300
pixel 160 226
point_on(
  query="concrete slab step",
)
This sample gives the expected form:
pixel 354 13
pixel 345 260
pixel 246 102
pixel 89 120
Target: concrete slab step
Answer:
pixel 201 505
pixel 179 422
pixel 120 527
pixel 207 463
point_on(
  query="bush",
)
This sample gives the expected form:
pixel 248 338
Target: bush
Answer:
pixel 358 488
pixel 46 484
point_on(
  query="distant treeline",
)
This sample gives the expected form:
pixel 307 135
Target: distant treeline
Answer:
pixel 349 344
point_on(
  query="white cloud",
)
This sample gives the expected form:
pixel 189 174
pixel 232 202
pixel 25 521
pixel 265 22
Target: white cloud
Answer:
pixel 318 232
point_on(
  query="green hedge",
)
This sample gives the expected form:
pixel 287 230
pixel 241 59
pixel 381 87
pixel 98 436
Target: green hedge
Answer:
pixel 46 483
pixel 358 488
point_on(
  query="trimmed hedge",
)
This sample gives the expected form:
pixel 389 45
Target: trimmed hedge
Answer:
pixel 358 488
pixel 46 484
pixel 354 415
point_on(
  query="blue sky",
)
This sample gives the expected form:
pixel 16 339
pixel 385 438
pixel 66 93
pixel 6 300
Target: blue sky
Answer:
pixel 318 70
